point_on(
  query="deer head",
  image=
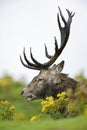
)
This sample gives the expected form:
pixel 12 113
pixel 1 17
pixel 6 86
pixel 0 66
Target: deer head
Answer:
pixel 50 80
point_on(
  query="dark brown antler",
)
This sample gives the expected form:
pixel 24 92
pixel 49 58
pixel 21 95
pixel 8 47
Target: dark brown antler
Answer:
pixel 64 31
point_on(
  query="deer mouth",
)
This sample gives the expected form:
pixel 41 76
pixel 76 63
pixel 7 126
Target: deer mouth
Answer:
pixel 30 97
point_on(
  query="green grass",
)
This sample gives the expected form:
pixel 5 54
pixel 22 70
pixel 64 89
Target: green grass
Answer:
pixel 28 108
pixel 78 123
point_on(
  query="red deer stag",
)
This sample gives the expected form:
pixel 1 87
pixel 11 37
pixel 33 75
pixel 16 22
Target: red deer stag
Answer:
pixel 50 81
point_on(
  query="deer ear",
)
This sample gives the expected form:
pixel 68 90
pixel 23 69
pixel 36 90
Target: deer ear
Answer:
pixel 59 67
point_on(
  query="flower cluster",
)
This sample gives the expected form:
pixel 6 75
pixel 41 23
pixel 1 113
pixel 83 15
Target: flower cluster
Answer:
pixel 6 110
pixel 36 117
pixel 64 105
pixel 56 108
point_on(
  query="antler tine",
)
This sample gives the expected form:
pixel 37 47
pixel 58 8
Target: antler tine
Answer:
pixel 56 45
pixel 40 65
pixel 23 62
pixel 63 19
pixel 27 61
pixel 66 29
pixel 29 64
pixel 70 14
pixel 46 52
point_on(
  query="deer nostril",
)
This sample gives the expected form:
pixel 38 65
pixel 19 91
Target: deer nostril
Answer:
pixel 22 92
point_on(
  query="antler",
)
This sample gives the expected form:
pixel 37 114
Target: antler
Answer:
pixel 64 31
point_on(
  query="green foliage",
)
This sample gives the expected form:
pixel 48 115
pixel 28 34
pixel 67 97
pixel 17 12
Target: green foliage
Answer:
pixel 56 108
pixel 80 77
pixel 64 106
pixel 6 81
pixel 6 110
pixel 9 88
pixel 10 91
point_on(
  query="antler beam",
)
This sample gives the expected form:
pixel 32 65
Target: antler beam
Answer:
pixel 64 32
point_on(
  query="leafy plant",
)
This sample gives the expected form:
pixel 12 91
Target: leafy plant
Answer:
pixel 6 110
pixel 64 106
pixel 56 108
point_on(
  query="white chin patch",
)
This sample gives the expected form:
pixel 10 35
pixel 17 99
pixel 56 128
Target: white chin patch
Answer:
pixel 29 99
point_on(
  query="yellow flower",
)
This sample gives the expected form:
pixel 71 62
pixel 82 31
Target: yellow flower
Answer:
pixel 43 109
pixel 4 102
pixel 36 117
pixel 33 118
pixel 50 104
pixel 63 94
pixel 50 98
pixel 44 102
pixel 58 95
pixel 12 108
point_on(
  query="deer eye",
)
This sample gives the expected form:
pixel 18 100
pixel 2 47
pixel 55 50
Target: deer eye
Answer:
pixel 40 79
pixel 56 83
